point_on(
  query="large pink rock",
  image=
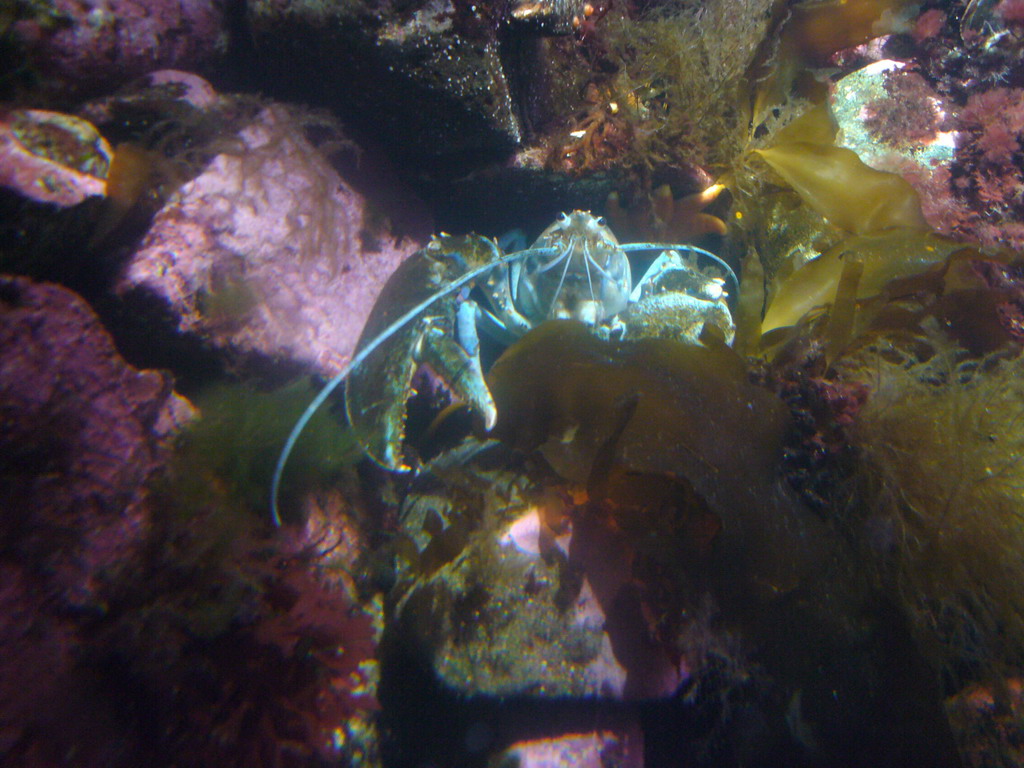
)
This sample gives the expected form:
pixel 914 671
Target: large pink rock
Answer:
pixel 269 252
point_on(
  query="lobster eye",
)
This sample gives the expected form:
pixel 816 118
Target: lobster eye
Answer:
pixel 563 217
pixel 600 221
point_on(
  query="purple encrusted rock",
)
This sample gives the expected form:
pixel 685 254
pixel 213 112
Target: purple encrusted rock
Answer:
pixel 80 434
pixel 87 46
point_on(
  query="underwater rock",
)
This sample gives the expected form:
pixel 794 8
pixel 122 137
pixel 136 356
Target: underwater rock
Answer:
pixel 83 431
pixel 80 190
pixel 895 121
pixel 885 109
pixel 581 750
pixel 49 157
pixel 482 197
pixel 91 46
pixel 430 78
pixel 987 722
pixel 35 653
pixel 156 95
pixel 269 252
pixel 132 581
pixel 504 619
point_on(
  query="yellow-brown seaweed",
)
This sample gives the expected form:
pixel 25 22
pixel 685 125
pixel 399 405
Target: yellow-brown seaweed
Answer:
pixel 696 419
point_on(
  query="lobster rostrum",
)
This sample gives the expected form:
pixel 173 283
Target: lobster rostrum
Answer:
pixel 576 269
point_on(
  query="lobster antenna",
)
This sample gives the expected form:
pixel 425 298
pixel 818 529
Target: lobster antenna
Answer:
pixel 366 351
pixel 586 263
pixel 670 247
pixel 565 271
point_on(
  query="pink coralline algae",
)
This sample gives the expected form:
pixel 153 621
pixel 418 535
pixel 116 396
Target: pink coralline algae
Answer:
pixel 997 119
pixel 268 673
pixel 89 45
pixel 951 122
pixel 80 432
pixel 269 251
pixel 122 595
pixel 78 437
pixel 989 173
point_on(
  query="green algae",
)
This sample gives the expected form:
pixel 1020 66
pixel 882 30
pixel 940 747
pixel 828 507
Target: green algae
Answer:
pixel 682 73
pixel 233 446
pixel 940 476
pixel 929 489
